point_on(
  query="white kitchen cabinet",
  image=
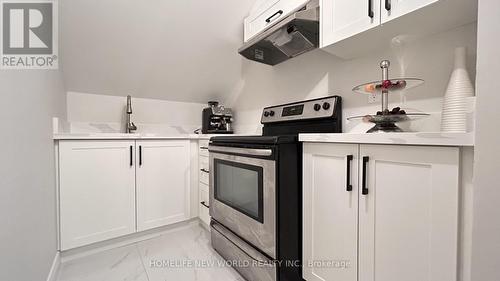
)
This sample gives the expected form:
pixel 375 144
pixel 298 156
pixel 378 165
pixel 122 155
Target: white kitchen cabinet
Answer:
pixel 392 9
pixel 97 191
pixel 204 204
pixel 348 31
pixel 407 218
pixel 267 14
pixel 330 211
pixel 163 175
pixel 204 199
pixel 341 19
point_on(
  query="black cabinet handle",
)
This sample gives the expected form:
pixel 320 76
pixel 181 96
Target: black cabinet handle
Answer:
pixel 364 190
pixel 204 204
pixel 205 171
pixel 140 155
pixel 280 12
pixel 388 5
pixel 370 9
pixel 131 155
pixel 348 177
pixel 203 147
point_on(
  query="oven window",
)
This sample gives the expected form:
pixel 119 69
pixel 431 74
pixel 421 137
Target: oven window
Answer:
pixel 240 187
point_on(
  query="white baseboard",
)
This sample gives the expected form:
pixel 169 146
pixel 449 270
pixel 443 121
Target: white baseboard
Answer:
pixel 54 270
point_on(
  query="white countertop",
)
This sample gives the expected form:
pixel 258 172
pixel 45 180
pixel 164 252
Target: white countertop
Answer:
pixel 121 136
pixel 421 138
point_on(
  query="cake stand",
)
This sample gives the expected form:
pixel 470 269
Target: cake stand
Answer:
pixel 385 120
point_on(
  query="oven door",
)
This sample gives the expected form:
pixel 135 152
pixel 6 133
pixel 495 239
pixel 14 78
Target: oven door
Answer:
pixel 243 194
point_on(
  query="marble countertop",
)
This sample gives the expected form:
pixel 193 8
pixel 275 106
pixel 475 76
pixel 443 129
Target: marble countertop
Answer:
pixel 142 136
pixel 420 138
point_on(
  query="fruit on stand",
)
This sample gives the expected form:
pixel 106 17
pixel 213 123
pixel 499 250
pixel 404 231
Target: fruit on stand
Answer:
pixel 394 111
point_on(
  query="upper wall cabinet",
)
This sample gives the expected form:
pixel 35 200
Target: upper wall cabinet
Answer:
pixel 341 19
pixel 392 9
pixel 352 28
pixel 268 13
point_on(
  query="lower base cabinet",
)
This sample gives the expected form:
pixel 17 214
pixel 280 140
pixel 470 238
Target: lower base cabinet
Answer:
pixel 96 191
pixel 111 188
pixel 380 212
pixel 162 180
pixel 203 184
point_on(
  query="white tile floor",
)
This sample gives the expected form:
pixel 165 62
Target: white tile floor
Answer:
pixel 183 254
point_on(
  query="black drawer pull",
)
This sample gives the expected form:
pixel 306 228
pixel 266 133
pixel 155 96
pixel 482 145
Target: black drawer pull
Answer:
pixel 203 147
pixel 388 5
pixel 205 171
pixel 204 204
pixel 131 157
pixel 268 20
pixel 370 9
pixel 348 176
pixel 140 155
pixel 364 190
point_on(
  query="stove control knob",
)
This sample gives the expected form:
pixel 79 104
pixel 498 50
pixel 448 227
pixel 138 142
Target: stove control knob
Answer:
pixel 326 106
pixel 317 107
pixel 271 113
pixel 266 113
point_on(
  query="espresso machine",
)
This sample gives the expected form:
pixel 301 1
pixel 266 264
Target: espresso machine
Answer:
pixel 217 119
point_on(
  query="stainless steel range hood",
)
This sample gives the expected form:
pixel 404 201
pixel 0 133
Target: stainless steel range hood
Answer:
pixel 292 36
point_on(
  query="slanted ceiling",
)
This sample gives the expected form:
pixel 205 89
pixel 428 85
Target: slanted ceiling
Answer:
pixel 181 50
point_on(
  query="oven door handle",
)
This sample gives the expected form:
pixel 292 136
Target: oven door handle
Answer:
pixel 241 151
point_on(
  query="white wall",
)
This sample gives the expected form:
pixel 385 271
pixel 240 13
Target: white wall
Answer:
pixel 148 114
pixel 183 50
pixel 486 230
pixel 29 99
pixel 317 73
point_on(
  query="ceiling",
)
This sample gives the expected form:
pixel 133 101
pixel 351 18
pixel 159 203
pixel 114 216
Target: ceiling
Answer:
pixel 181 50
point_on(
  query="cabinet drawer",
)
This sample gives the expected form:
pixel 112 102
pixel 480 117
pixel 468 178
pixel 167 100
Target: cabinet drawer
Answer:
pixel 203 187
pixel 276 11
pixel 204 177
pixel 204 203
pixel 204 163
pixel 203 147
pixel 203 143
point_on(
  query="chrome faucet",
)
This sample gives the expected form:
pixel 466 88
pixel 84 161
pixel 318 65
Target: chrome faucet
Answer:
pixel 130 125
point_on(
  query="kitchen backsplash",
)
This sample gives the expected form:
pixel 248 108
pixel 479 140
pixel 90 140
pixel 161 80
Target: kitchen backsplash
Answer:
pixel 91 113
pixel 317 74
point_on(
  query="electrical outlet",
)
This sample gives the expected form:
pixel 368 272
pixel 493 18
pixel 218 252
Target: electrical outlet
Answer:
pixel 374 98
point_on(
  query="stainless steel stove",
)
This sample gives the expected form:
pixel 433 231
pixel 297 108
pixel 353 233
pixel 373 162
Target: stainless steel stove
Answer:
pixel 256 190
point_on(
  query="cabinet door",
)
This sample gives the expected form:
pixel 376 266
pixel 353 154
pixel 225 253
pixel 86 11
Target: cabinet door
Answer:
pixel 392 9
pixel 269 13
pixel 162 183
pixel 330 212
pixel 97 191
pixel 408 214
pixel 341 19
